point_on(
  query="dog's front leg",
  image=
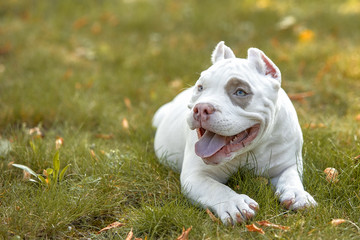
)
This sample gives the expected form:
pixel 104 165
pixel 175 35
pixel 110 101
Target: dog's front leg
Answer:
pixel 290 190
pixel 204 185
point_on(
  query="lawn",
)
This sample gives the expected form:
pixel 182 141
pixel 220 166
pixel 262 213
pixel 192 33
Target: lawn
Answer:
pixel 84 78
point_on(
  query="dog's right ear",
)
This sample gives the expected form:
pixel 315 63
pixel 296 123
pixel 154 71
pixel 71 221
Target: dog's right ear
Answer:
pixel 221 52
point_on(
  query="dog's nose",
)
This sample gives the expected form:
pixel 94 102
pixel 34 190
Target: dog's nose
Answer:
pixel 202 111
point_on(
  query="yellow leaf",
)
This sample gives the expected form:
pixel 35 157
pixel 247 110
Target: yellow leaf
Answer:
pixel 254 228
pixel 125 123
pixel 306 35
pixel 185 234
pixel 337 221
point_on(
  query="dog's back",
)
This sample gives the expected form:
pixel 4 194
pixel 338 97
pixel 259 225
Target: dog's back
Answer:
pixel 170 137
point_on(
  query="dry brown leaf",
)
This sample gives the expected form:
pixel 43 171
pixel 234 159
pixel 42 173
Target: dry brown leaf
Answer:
pixel 212 216
pixel 269 224
pixel 68 74
pixel 357 118
pixel 5 49
pixel 337 221
pixel 111 226
pixel 331 175
pixel 314 125
pixel 185 234
pixel 130 235
pixel 104 136
pixel 127 103
pixel 254 228
pixel 80 23
pixel 300 96
pixel 96 28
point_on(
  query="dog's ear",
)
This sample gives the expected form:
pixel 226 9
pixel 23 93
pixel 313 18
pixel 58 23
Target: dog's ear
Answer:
pixel 263 64
pixel 221 52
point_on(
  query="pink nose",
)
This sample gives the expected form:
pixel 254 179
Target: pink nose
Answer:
pixel 202 111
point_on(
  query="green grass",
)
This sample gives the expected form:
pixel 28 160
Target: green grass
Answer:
pixel 69 67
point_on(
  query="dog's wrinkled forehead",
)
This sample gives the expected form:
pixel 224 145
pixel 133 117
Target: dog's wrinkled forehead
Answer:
pixel 231 76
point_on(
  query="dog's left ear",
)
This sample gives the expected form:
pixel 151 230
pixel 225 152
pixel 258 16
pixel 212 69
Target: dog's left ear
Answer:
pixel 263 64
pixel 221 52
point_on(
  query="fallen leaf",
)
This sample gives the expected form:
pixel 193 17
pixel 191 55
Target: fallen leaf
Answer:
pixel 212 216
pixel 111 226
pixel 357 118
pixel 96 28
pixel 314 125
pixel 10 164
pixel 104 136
pixel 127 103
pixel 269 224
pixel 59 142
pixel 185 234
pixel 306 35
pixel 5 49
pixel 125 123
pixel 80 23
pixel 337 221
pixel 130 235
pixel 68 74
pixel 176 84
pixel 254 228
pixel 357 157
pixel 92 153
pixel 300 96
pixel 331 175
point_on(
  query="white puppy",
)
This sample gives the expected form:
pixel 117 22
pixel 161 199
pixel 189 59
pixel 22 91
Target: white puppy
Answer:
pixel 236 115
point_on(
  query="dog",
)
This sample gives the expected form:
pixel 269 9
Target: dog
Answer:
pixel 236 115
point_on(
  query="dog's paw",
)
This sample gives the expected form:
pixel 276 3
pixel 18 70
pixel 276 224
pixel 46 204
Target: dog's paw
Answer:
pixel 237 209
pixel 295 199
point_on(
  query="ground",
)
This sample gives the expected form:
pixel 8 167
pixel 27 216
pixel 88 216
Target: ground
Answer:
pixel 85 78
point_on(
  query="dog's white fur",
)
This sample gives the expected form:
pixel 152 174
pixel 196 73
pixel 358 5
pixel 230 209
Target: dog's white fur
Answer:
pixel 274 153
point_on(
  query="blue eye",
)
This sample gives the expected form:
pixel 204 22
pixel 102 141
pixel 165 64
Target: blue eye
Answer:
pixel 240 93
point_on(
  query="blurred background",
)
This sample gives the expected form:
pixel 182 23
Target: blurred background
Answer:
pixel 86 62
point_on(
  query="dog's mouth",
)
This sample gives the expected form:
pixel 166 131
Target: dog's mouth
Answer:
pixel 211 144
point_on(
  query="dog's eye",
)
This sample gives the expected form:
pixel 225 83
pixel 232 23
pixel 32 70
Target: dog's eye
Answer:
pixel 240 93
pixel 200 88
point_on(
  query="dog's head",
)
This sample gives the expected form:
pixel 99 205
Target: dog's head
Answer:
pixel 233 104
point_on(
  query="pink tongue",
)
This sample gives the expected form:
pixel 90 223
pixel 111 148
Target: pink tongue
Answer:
pixel 209 144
